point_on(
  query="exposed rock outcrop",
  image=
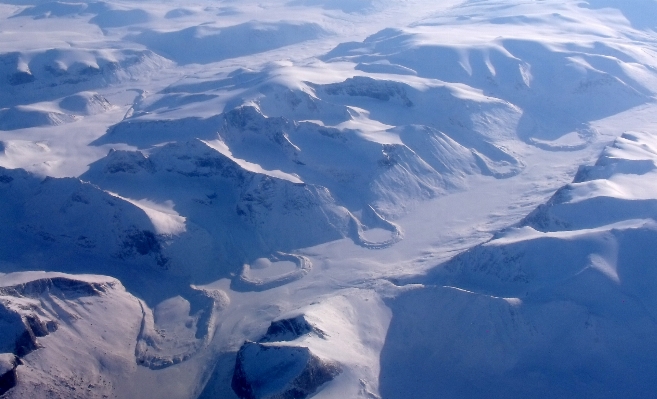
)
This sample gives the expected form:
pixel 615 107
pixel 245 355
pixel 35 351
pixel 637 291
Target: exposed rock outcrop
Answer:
pixel 20 332
pixel 290 329
pixel 34 305
pixel 8 364
pixel 21 323
pixel 265 371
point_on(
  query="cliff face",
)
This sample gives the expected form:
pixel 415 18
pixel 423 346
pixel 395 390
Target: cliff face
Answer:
pixel 49 317
pixel 279 372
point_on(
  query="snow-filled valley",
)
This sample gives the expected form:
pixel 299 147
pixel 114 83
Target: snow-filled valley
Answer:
pixel 328 199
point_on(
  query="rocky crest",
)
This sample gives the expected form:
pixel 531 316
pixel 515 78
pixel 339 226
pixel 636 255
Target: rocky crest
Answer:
pixel 264 371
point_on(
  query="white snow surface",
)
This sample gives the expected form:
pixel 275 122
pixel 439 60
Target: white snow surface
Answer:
pixel 459 195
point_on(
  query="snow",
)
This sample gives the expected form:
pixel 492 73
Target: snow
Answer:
pixel 456 196
pixel 200 44
pixel 252 167
pixel 85 103
pixel 164 218
pixel 579 266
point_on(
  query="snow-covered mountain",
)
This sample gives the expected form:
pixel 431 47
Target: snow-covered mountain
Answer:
pixel 563 302
pixel 48 220
pixel 327 198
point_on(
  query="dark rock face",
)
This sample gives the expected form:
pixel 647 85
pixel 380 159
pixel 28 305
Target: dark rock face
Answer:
pixel 20 329
pixel 19 333
pixel 279 372
pixel 8 364
pixel 128 162
pixel 144 242
pixel 34 327
pixel 20 78
pixel 61 286
pixel 361 86
pixel 38 327
pixel 7 381
pixel 26 342
pixel 290 329
pixel 14 335
pixel 22 323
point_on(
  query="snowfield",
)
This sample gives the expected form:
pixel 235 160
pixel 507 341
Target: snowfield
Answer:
pixel 328 199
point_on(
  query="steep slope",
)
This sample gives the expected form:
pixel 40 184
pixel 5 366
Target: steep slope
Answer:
pixel 611 191
pixel 326 346
pixel 267 211
pixel 388 168
pixel 51 222
pixel 84 336
pixel 56 318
